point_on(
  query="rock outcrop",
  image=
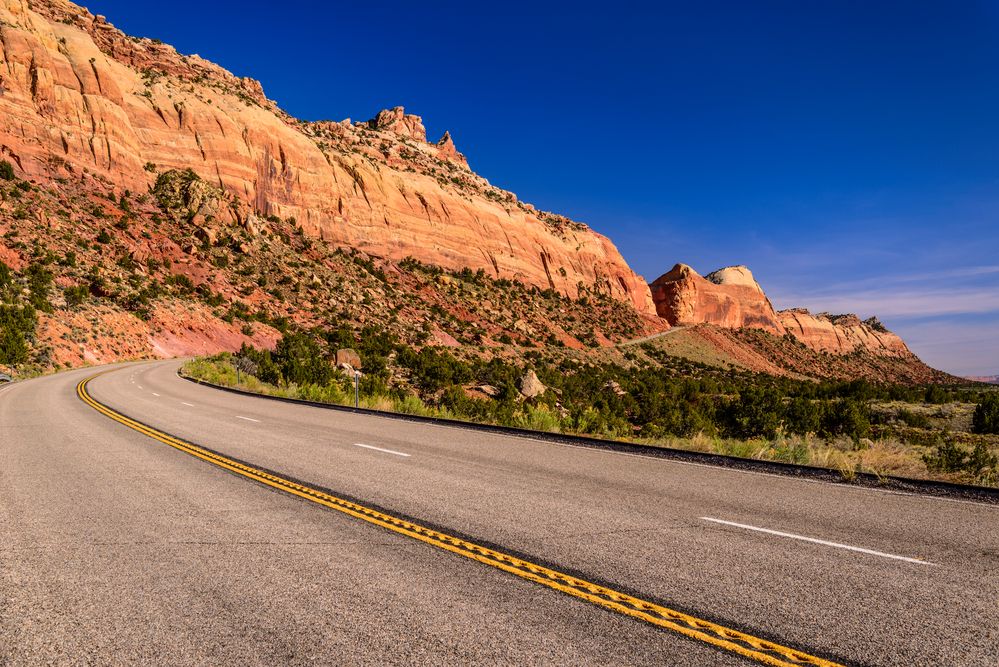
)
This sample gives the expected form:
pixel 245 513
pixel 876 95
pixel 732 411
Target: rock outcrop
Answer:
pixel 77 94
pixel 397 121
pixel 731 298
pixel 842 334
pixel 531 385
pixel 448 151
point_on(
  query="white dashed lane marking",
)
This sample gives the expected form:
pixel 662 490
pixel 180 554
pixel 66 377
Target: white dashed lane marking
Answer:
pixel 379 449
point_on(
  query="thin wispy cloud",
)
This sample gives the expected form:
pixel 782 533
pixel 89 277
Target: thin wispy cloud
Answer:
pixel 949 318
pixel 898 304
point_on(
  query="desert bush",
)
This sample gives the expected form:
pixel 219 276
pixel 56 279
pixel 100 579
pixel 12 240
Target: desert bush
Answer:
pixel 913 419
pixel 39 286
pixel 76 296
pixel 537 419
pixel 6 280
pixel 6 171
pixel 848 417
pixel 17 323
pixel 755 413
pixel 301 361
pixel 986 417
pixel 949 457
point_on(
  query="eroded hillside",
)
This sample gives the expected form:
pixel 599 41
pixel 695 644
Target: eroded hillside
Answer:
pixel 78 95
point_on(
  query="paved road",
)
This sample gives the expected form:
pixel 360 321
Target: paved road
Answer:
pixel 655 336
pixel 117 548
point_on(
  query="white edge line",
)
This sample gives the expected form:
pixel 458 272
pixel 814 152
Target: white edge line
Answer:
pixel 190 405
pixel 787 478
pixel 155 394
pixel 817 541
pixel 249 419
pixel 379 449
pixel 709 466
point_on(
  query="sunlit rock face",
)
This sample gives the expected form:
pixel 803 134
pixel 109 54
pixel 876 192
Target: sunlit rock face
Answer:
pixel 729 298
pixel 732 298
pixel 77 94
pixel 842 334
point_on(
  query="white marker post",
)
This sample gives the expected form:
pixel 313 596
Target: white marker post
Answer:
pixel 357 378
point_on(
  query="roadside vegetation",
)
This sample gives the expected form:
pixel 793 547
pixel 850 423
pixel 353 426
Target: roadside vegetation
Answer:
pixel 657 400
pixel 91 273
pixel 20 299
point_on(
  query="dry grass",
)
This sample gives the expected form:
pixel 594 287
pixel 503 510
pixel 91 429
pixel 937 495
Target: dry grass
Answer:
pixel 887 457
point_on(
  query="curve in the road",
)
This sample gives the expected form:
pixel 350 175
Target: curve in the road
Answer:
pixel 721 637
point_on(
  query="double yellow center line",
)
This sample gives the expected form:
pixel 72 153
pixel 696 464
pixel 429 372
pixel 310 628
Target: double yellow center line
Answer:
pixel 719 636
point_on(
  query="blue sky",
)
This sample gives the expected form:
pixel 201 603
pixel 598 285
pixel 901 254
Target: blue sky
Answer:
pixel 845 151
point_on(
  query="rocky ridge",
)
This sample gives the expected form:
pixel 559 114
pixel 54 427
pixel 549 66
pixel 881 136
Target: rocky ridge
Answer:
pixel 90 115
pixel 78 94
pixel 987 379
pixel 731 298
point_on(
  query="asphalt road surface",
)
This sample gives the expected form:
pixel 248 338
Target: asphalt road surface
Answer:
pixel 118 549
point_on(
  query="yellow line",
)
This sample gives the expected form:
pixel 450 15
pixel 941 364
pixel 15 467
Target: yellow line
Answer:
pixel 719 636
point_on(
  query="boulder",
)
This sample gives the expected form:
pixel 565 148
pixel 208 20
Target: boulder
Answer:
pixel 208 235
pixel 531 386
pixel 348 357
pixel 615 388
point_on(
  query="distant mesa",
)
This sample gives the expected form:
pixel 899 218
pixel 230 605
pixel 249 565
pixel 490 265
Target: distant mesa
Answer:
pixel 732 298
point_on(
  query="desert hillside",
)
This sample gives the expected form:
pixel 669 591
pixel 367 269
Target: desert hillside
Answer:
pixel 78 95
pixel 154 204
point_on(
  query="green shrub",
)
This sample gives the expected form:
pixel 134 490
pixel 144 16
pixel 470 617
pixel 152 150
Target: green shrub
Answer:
pixel 182 282
pixel 913 419
pixel 301 361
pixel 6 278
pixel 16 324
pixel 948 457
pixel 6 171
pixel 803 416
pixel 39 286
pixel 986 417
pixel 848 417
pixel 76 296
pixel 755 413
pixel 537 419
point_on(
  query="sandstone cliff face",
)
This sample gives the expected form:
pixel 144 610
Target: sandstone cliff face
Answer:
pixel 842 334
pixel 731 298
pixel 77 94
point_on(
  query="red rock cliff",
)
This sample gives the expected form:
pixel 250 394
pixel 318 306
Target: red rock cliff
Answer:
pixel 732 298
pixel 729 298
pixel 76 94
pixel 842 334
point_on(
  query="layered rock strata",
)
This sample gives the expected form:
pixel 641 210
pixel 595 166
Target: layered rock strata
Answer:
pixel 732 298
pixel 78 94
